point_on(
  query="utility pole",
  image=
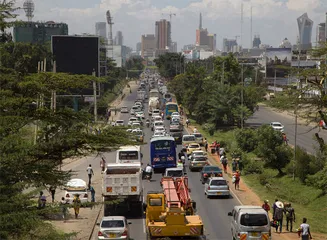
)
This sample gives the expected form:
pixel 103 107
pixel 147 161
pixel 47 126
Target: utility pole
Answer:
pixel 242 100
pixel 95 98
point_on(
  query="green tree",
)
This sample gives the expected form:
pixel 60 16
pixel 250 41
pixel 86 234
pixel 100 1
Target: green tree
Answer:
pixel 170 64
pixel 247 139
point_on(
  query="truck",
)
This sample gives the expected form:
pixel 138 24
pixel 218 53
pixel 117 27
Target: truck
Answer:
pixel 153 104
pixel 171 213
pixel 122 189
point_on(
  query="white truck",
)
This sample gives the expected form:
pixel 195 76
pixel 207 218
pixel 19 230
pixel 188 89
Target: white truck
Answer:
pixel 122 189
pixel 153 104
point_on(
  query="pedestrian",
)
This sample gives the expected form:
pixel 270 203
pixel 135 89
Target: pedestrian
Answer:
pixel 236 180
pixel 187 122
pixel 304 230
pixel 92 194
pixel 180 154
pixel 279 214
pixel 195 130
pixel 274 206
pixel 221 150
pixel 90 172
pixel 224 163
pixel 63 205
pixel 52 190
pixel 76 204
pixel 240 165
pixel 217 148
pixel 41 200
pixel 234 165
pixel 290 217
pixel 206 145
pixel 266 206
pixel 103 164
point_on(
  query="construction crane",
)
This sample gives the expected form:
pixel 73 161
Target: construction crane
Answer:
pixel 170 15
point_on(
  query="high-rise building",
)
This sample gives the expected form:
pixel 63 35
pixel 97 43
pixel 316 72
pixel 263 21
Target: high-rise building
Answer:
pixel 174 47
pixel 38 32
pixel 163 36
pixel 305 31
pixel 203 39
pixel 148 45
pixel 321 34
pixel 256 41
pixel 229 45
pixel 101 29
pixel 212 41
pixel 119 38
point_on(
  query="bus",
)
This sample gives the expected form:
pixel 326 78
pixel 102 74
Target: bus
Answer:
pixel 170 108
pixel 129 154
pixel 167 97
pixel 163 152
pixel 154 93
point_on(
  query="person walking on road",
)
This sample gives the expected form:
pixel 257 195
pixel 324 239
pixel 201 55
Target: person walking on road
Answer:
pixel 304 230
pixel 187 122
pixel 279 214
pixel 42 200
pixel 63 205
pixel 274 206
pixel 290 217
pixel 237 178
pixel 52 190
pixel 103 164
pixel 234 165
pixel 224 163
pixel 240 165
pixel 77 205
pixel 92 194
pixel 266 206
pixel 205 144
pixel 90 173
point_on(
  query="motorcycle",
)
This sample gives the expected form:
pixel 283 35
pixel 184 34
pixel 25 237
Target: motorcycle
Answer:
pixel 146 176
pixel 147 123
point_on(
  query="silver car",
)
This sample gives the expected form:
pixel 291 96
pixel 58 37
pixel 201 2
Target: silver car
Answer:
pixel 114 228
pixel 216 186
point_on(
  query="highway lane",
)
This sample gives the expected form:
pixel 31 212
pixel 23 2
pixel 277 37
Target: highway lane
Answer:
pixel 305 134
pixel 212 211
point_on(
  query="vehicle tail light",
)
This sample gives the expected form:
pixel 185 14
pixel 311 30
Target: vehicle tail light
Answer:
pixel 85 195
pixel 124 233
pixel 67 195
pixel 205 175
pixel 100 234
pixel 208 187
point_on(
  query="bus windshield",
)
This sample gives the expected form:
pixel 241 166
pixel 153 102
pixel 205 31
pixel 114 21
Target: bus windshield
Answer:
pixel 162 145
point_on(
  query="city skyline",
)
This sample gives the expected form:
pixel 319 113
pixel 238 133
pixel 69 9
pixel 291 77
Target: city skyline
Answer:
pixel 135 18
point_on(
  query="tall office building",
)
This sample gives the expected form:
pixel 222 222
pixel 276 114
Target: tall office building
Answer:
pixel 321 34
pixel 148 45
pixel 305 31
pixel 229 45
pixel 256 41
pixel 174 47
pixel 38 32
pixel 212 42
pixel 101 29
pixel 163 36
pixel 119 38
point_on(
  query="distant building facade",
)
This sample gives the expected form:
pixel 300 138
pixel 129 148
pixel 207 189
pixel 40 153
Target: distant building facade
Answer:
pixel 38 32
pixel 163 36
pixel 101 29
pixel 119 55
pixel 148 45
pixel 173 47
pixel 119 38
pixel 305 31
pixel 229 45
pixel 188 47
pixel 285 44
pixel 321 33
pixel 256 41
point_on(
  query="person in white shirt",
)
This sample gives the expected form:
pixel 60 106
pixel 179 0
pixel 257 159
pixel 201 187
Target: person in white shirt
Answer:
pixel 148 171
pixel 304 231
pixel 195 130
pixel 90 172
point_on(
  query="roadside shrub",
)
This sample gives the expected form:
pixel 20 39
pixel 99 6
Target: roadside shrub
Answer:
pixel 247 139
pixel 302 166
pixel 253 167
pixel 263 179
pixel 210 128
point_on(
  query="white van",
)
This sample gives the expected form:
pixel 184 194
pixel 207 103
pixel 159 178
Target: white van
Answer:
pixel 129 154
pixel 250 222
pixel 76 186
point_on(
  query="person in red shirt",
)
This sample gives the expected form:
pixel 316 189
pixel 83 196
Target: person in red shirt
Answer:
pixel 266 206
pixel 237 177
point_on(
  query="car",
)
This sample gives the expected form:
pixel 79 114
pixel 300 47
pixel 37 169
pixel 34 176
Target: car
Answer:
pixel 138 103
pixel 159 134
pixel 119 122
pixel 136 125
pixel 198 160
pixel 156 112
pixel 156 118
pixel 114 227
pixel 277 126
pixel 174 172
pixel 76 186
pixel 124 109
pixel 139 135
pixel 135 109
pixel 192 147
pixel 131 120
pixel 175 114
pixel 160 129
pixel 216 186
pixel 198 138
pixel 157 124
pixel 210 171
pixel 140 115
pixel 175 127
pixel 177 136
pixel 186 140
pixel 175 120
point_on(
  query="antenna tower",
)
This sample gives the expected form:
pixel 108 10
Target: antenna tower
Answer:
pixel 28 7
pixel 251 44
pixel 241 23
pixel 110 41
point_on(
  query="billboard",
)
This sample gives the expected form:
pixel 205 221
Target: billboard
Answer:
pixel 279 60
pixel 77 55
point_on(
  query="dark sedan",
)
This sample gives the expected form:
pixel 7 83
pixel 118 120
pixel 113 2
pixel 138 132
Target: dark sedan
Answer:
pixel 210 171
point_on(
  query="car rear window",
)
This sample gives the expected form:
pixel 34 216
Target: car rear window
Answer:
pixel 112 224
pixel 120 121
pixel 193 146
pixel 158 123
pixel 197 135
pixel 250 220
pixel 218 182
pixel 211 169
pixel 175 173
pixel 200 159
pixel 188 138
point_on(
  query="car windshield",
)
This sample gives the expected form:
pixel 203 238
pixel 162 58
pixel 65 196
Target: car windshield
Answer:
pixel 198 154
pixel 218 183
pixel 198 135
pixel 158 123
pixel 211 169
pixel 193 146
pixel 120 121
pixel 162 145
pixel 128 155
pixel 254 220
pixel 175 173
pixel 200 159
pixel 277 124
pixel 189 138
pixel 112 224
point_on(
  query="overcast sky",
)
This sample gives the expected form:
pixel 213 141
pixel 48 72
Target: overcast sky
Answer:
pixel 273 20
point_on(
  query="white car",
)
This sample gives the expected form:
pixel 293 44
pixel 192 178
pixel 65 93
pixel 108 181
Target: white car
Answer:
pixel 140 114
pixel 135 109
pixel 159 134
pixel 156 112
pixel 114 227
pixel 124 109
pixel 157 124
pixel 76 186
pixel 160 129
pixel 175 114
pixel 156 118
pixel 136 125
pixel 119 123
pixel 277 126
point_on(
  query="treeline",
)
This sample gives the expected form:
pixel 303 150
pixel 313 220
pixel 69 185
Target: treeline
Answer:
pixel 212 90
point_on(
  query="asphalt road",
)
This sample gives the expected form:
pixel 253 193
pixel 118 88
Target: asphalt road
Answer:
pixel 212 211
pixel 305 134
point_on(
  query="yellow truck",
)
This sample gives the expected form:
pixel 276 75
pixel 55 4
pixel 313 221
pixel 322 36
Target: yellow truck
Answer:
pixel 166 217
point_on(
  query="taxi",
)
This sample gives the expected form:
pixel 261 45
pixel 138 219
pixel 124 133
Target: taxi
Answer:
pixel 192 147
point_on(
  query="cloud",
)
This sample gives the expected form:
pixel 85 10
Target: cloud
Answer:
pixel 303 5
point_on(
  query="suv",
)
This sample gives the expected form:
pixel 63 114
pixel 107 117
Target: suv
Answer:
pixel 250 222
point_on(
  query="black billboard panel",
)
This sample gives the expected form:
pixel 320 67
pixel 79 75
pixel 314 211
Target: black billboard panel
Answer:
pixel 77 55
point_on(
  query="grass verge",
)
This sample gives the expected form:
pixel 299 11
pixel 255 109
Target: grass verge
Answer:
pixel 307 201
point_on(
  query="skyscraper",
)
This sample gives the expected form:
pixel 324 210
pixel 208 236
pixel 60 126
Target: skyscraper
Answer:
pixel 305 31
pixel 119 38
pixel 163 36
pixel 256 41
pixel 229 45
pixel 101 29
pixel 148 45
pixel 321 33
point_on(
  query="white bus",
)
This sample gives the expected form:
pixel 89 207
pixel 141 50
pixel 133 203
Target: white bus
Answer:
pixel 129 154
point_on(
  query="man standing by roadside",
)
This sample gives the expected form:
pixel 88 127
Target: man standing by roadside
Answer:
pixel 234 165
pixel 290 217
pixel 92 194
pixel 52 190
pixel 90 173
pixel 304 231
pixel 279 215
pixel 103 164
